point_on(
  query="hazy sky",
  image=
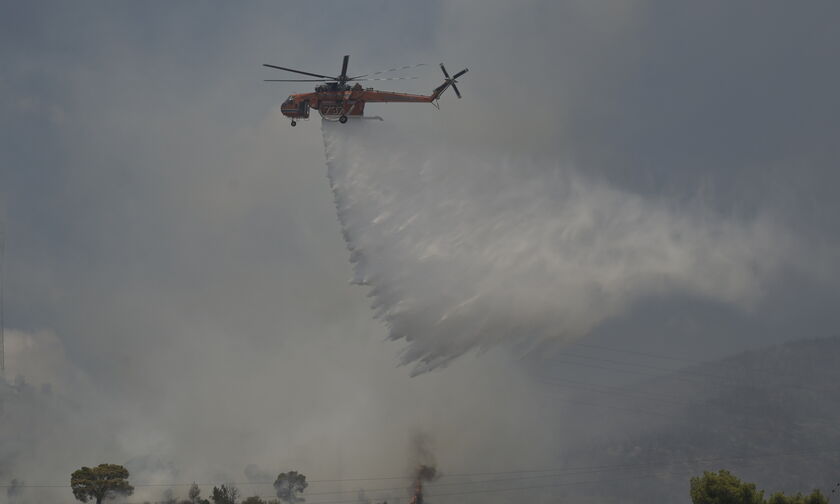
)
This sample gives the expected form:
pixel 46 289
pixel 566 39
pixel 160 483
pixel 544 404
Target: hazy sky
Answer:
pixel 172 244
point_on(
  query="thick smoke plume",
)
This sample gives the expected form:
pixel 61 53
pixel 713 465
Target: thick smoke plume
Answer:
pixel 426 473
pixel 463 251
pixel 422 458
pixel 424 465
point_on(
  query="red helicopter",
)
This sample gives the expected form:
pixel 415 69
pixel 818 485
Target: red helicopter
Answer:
pixel 336 100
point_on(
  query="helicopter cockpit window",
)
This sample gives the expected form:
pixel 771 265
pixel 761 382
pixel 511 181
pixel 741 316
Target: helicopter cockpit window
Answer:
pixel 290 100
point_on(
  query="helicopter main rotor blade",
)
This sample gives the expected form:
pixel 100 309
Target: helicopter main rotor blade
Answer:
pixel 382 79
pixel 299 71
pixel 297 80
pixel 395 69
pixel 343 76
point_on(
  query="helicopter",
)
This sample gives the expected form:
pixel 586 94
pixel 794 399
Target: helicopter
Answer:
pixel 337 100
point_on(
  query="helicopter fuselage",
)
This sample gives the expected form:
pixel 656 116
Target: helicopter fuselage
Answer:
pixel 334 103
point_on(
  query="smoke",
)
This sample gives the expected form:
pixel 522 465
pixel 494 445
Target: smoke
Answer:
pixel 15 489
pixel 464 251
pixel 179 237
pixel 426 473
pixel 48 416
pixel 424 468
pixel 40 357
pixel 52 422
pixel 254 474
pixel 362 498
pixel 424 464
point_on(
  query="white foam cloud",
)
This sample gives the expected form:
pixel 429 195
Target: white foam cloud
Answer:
pixel 464 251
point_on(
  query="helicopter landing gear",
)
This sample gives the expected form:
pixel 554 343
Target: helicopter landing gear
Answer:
pixel 342 119
pixel 294 123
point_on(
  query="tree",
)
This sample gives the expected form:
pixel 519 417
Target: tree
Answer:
pixel 225 494
pixel 289 485
pixel 169 497
pixel 194 494
pixel 724 487
pixel 816 497
pixel 105 481
pixel 253 500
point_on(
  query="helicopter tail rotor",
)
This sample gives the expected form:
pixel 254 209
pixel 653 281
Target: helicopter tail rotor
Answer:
pixel 450 81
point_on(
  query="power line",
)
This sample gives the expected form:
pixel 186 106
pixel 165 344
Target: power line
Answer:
pixel 527 473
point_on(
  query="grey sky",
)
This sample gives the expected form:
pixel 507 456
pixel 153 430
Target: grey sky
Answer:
pixel 180 241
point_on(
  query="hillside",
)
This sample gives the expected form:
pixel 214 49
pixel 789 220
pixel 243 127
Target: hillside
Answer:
pixel 771 416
